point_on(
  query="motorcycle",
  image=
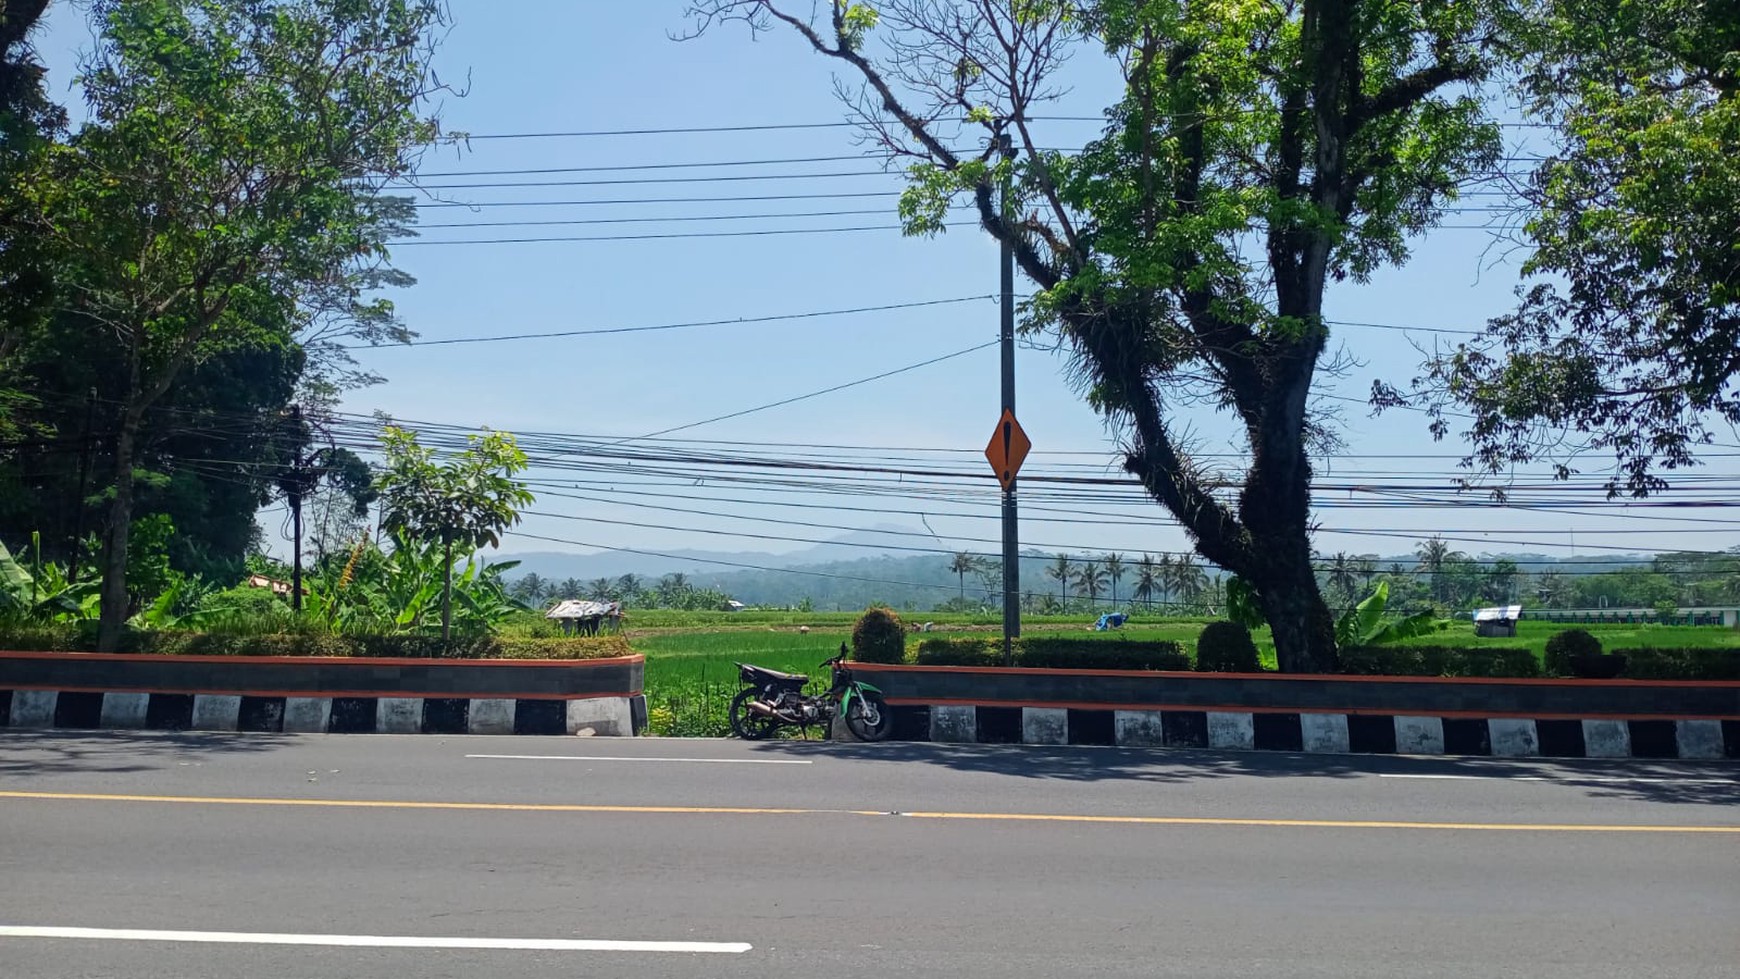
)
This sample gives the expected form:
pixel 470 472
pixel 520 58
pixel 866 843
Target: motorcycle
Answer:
pixel 773 700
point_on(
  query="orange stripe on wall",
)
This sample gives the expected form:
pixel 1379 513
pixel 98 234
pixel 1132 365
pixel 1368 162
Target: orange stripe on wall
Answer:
pixel 325 694
pixel 324 660
pixel 1318 677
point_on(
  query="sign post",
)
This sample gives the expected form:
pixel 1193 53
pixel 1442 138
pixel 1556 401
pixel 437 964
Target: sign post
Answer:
pixel 1007 449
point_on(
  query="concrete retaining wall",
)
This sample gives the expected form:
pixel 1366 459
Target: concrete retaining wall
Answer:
pixel 315 695
pixel 1324 714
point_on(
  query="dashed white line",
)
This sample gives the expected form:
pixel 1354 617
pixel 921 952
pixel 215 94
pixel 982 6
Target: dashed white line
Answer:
pixel 694 761
pixel 368 941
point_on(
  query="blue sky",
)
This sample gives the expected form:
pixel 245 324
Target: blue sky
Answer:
pixel 588 65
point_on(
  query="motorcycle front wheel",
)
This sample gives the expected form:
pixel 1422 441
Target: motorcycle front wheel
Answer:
pixel 750 727
pixel 868 718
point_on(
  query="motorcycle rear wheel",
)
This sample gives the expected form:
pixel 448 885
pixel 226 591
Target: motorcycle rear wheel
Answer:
pixel 868 718
pixel 748 726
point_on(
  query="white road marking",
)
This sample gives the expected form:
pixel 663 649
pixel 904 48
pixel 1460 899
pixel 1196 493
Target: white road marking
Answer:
pixel 696 761
pixel 369 941
pixel 1567 779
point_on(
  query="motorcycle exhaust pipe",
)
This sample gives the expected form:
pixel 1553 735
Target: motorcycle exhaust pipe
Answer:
pixel 762 709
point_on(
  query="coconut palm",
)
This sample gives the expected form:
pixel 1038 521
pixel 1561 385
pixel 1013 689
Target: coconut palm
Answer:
pixel 1366 566
pixel 1091 579
pixel 1059 572
pixel 1188 577
pixel 1147 580
pixel 1114 563
pixel 627 588
pixel 962 563
pixel 1435 556
pixel 600 590
pixel 1343 574
pixel 1163 578
pixel 570 588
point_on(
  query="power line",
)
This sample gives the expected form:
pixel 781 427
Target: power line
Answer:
pixel 602 331
pixel 653 237
pixel 829 390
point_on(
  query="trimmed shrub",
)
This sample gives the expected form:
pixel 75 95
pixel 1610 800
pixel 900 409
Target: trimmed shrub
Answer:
pixel 1100 654
pixel 1444 661
pixel 878 637
pixel 173 643
pixel 1681 664
pixel 1226 647
pixel 959 652
pixel 1563 646
pixel 1048 653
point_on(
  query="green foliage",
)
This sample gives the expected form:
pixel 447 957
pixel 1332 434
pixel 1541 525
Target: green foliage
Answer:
pixel 1681 664
pixel 1243 604
pixel 1364 624
pixel 467 501
pixel 878 637
pixel 1565 646
pixel 1054 653
pixel 188 643
pixel 47 595
pixel 1448 661
pixel 400 590
pixel 1226 647
pixel 1628 329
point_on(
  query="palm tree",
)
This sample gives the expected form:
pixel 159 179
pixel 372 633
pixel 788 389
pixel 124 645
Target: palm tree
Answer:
pixel 1147 580
pixel 1188 576
pixel 1163 578
pixel 1366 567
pixel 1059 572
pixel 1434 555
pixel 531 588
pixel 1343 576
pixel 673 587
pixel 1114 563
pixel 1091 578
pixel 598 589
pixel 960 564
pixel 627 587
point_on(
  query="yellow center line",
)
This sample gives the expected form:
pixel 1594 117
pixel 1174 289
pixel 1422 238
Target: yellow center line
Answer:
pixel 980 816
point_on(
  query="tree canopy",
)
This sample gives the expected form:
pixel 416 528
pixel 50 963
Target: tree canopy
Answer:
pixel 224 196
pixel 1626 340
pixel 1257 154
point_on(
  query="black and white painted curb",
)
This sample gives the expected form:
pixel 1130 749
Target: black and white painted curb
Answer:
pixel 1336 733
pixel 602 716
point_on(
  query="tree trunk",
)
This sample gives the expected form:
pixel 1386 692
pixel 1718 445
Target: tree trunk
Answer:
pixel 1300 620
pixel 112 617
pixel 447 594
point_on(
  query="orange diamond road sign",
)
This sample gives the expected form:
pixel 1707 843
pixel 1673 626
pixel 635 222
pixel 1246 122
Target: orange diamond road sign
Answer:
pixel 1009 446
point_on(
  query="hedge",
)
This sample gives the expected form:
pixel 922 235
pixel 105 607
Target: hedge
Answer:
pixel 1681 664
pixel 1048 653
pixel 171 643
pixel 1447 661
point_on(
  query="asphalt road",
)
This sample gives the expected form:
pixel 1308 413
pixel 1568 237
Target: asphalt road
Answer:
pixel 206 856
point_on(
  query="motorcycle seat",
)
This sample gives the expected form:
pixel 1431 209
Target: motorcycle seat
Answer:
pixel 762 675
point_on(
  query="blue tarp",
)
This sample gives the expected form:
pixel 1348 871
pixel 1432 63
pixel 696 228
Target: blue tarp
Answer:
pixel 1111 620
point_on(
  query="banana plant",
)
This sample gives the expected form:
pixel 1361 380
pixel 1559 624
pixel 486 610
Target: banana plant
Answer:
pixel 1365 625
pixel 51 594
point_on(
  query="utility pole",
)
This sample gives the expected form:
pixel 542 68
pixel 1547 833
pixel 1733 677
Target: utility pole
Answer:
pixel 1006 333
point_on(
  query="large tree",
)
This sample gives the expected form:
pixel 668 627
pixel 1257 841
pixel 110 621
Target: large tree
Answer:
pixel 225 193
pixel 1256 153
pixel 1626 338
pixel 29 122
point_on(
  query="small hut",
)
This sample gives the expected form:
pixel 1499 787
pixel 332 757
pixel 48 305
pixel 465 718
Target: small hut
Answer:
pixel 1498 622
pixel 583 617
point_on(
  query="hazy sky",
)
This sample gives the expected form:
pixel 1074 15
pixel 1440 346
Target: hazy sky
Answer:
pixel 540 66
